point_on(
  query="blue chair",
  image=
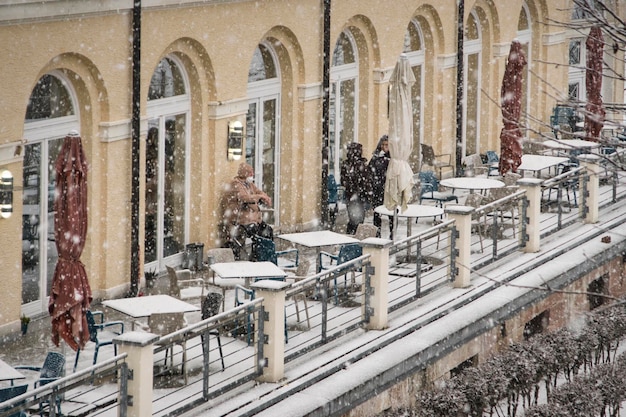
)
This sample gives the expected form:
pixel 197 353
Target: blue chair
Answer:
pixel 264 250
pixel 99 335
pixel 493 163
pixel 11 392
pixel 335 196
pixel 429 189
pixel 51 370
pixel 347 253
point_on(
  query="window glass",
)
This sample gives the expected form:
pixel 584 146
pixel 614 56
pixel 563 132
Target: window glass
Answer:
pixel 49 99
pixel 262 66
pixel 574 52
pixel 167 81
pixel 412 39
pixel 343 54
pixel 471 30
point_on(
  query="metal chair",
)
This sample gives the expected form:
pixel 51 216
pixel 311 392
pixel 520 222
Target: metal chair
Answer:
pixel 181 284
pixel 166 323
pixel 211 307
pixel 264 250
pixel 346 254
pixel 510 206
pixel 301 273
pixel 474 200
pixel 52 369
pixel 438 162
pixel 249 295
pixel 493 163
pixel 215 256
pixel 429 189
pixel 363 231
pixel 99 335
pixel 11 392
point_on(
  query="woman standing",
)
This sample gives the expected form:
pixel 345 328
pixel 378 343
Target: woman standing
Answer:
pixel 378 167
pixel 356 178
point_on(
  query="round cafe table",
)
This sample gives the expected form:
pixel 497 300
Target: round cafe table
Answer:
pixel 471 183
pixel 413 211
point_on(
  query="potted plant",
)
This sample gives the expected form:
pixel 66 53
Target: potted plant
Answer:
pixel 151 277
pixel 24 323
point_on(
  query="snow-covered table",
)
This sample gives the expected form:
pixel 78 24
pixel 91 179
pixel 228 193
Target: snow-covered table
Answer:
pixel 538 163
pixel 317 240
pixel 471 183
pixel 8 373
pixel 570 144
pixel 413 211
pixel 140 307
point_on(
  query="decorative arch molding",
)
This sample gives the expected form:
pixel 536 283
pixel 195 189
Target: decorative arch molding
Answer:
pixel 366 40
pixel 432 29
pixel 88 85
pixel 289 53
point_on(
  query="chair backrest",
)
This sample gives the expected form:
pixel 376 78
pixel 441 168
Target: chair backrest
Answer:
pixel 304 266
pixel 510 178
pixel 53 366
pixel 363 231
pixel 428 154
pixel 218 255
pixel 166 323
pixel 492 157
pixel 332 189
pixel 174 288
pixel 474 200
pixel 499 193
pixel 264 250
pixel 428 177
pixel 211 305
pixel 349 252
pixel 91 325
pixel 12 392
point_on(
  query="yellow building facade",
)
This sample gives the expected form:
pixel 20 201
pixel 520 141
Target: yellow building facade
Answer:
pixel 204 65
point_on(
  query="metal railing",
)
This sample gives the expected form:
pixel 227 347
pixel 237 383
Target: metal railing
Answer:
pixel 83 389
pixel 431 250
pixel 337 301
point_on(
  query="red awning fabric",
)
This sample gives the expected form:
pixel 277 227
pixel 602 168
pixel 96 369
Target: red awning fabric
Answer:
pixel 71 295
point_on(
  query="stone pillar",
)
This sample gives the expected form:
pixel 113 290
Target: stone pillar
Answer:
pixel 462 216
pixel 591 163
pixel 273 293
pixel 378 249
pixel 140 360
pixel 532 186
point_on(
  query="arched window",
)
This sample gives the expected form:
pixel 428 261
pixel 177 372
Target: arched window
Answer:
pixel 471 98
pixel 50 116
pixel 262 124
pixel 343 99
pixel 413 49
pixel 166 154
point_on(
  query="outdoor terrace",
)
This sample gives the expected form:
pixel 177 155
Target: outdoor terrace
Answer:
pixel 428 304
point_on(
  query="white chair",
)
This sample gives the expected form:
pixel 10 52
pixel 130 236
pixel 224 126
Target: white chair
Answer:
pixel 301 273
pixel 183 286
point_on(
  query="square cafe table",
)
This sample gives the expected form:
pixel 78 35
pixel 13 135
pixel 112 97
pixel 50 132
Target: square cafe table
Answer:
pixel 8 373
pixel 413 211
pixel 247 270
pixel 317 240
pixel 471 183
pixel 538 163
pixel 140 307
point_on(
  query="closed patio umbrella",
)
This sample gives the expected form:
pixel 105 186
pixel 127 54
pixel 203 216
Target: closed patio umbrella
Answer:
pixel 510 100
pixel 594 112
pixel 399 183
pixel 70 296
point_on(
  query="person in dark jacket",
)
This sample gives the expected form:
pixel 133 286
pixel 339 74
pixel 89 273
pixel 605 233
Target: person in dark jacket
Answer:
pixel 356 179
pixel 378 167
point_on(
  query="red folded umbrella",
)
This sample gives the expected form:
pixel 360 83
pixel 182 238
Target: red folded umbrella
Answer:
pixel 71 294
pixel 594 112
pixel 510 100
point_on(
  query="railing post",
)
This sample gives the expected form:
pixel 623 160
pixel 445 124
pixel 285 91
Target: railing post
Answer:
pixel 462 216
pixel 532 186
pixel 273 294
pixel 378 249
pixel 591 163
pixel 139 348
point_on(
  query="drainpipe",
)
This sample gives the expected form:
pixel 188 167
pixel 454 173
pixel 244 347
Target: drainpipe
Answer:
pixel 325 113
pixel 135 132
pixel 459 85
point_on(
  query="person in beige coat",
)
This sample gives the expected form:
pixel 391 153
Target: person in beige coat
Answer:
pixel 242 216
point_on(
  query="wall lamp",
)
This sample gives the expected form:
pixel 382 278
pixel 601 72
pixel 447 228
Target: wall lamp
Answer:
pixel 6 194
pixel 235 140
